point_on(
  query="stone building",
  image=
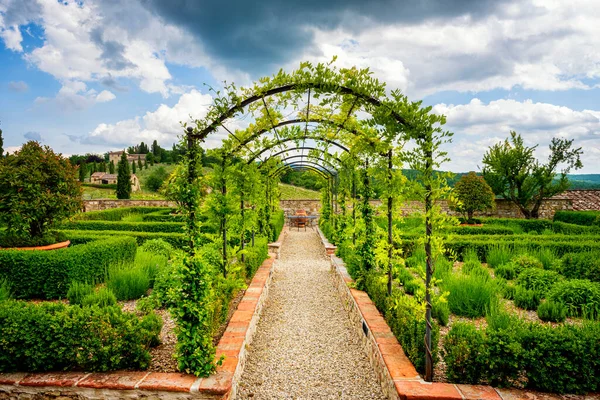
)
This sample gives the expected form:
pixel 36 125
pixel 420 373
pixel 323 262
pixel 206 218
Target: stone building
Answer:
pixel 115 157
pixel 103 178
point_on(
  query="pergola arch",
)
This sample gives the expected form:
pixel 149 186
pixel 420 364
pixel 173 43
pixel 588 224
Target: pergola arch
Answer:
pixel 304 148
pixel 301 165
pixel 322 160
pixel 277 143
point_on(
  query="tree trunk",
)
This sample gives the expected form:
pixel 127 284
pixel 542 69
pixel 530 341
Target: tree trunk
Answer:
pixel 469 216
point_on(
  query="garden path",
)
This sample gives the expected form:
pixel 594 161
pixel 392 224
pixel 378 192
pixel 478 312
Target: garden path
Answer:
pixel 304 346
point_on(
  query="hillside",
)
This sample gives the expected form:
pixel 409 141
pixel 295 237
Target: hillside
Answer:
pixel 290 192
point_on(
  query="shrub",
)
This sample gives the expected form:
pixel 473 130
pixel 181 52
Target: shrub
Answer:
pixel 547 257
pixel 103 297
pixel 255 255
pixel 5 290
pixel 508 291
pixel 582 265
pixel 158 247
pixel 470 295
pixel 524 261
pixel 440 311
pixel 166 227
pixel 150 263
pixel 156 178
pixel 128 284
pixel 177 240
pixel 414 286
pixel 48 274
pixel 54 337
pixel 38 188
pixel 586 218
pixel 77 291
pixel 117 214
pixel 277 222
pixel 580 296
pixel 133 218
pixel 537 279
pixel 498 255
pixel 551 311
pixel 506 271
pixel 526 299
pixel 465 353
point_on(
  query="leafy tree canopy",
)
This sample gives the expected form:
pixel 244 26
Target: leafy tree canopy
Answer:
pixel 473 194
pixel 513 172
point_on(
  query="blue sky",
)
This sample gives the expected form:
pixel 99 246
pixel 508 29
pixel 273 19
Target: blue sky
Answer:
pixel 93 76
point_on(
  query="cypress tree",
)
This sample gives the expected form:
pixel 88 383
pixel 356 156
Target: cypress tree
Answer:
pixel 123 178
pixel 82 171
pixel 133 170
pixel 111 167
pixel 145 164
pixel 139 162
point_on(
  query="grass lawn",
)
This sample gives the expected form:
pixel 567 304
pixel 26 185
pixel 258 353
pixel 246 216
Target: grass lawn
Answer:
pixel 290 192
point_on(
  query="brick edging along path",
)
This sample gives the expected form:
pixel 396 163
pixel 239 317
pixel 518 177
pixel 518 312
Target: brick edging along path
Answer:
pixel 142 384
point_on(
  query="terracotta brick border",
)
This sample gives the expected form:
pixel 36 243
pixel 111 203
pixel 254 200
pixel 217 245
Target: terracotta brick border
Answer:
pixel 397 375
pixel 140 384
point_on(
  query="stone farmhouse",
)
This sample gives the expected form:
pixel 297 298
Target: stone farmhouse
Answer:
pixel 115 157
pixel 103 178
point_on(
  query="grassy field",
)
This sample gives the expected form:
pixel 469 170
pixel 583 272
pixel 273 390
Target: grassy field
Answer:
pixel 289 192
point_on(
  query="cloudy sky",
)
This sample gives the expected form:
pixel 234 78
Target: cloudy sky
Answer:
pixel 97 75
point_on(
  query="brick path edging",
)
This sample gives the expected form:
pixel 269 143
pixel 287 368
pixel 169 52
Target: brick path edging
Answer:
pixel 141 384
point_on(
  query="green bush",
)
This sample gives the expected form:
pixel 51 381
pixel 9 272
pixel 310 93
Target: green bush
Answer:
pixel 5 290
pixel 158 247
pixel 465 353
pixel 414 286
pixel 580 296
pixel 537 279
pixel 177 240
pixel 256 255
pixel 470 295
pixel 551 311
pixel 150 263
pixel 440 311
pixel 586 218
pixel 498 255
pixel 506 271
pixel 103 297
pixel 128 283
pixel 547 257
pixel 117 214
pixel 156 179
pixel 48 274
pixel 277 222
pixel 524 261
pixel 582 265
pixel 94 225
pixel 482 230
pixel 77 291
pixel 508 291
pixel 526 299
pixel 54 337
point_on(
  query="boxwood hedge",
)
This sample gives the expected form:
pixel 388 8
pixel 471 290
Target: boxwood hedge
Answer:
pixel 586 218
pixel 48 274
pixel 170 227
pixel 51 337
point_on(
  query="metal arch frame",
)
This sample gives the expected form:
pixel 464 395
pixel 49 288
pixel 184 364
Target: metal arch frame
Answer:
pixel 304 148
pixel 325 88
pixel 298 166
pixel 316 138
pixel 323 161
pixel 244 142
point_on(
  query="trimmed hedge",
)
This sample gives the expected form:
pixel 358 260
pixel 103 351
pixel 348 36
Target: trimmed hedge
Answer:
pixel 112 186
pixel 582 265
pixel 255 255
pixel 562 359
pixel 54 337
pixel 96 225
pixel 116 214
pixel 277 222
pixel 177 240
pixel 586 218
pixel 48 274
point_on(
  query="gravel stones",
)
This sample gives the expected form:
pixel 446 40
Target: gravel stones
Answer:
pixel 304 346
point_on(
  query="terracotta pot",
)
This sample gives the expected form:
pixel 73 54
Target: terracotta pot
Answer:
pixel 55 246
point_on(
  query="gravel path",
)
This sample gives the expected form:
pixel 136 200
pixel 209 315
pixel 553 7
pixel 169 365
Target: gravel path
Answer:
pixel 304 346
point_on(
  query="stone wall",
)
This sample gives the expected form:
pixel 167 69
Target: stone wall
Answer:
pixel 99 205
pixel 504 208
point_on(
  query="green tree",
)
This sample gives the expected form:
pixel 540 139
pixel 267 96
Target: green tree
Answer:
pixel 38 188
pixel 82 171
pixel 150 158
pixel 133 168
pixel 139 163
pixel 513 172
pixel 145 164
pixel 156 179
pixel 473 194
pixel 123 178
pixel 111 167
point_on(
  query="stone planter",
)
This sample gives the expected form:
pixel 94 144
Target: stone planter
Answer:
pixel 55 246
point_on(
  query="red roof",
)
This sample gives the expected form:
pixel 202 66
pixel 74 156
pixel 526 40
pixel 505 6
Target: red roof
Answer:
pixel 582 200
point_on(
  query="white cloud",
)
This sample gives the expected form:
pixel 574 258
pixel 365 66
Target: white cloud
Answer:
pixel 478 125
pixel 74 95
pixel 163 124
